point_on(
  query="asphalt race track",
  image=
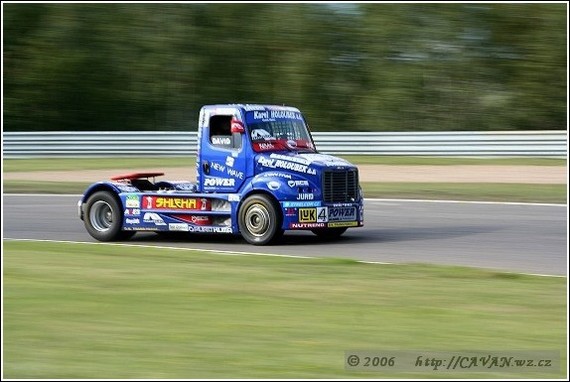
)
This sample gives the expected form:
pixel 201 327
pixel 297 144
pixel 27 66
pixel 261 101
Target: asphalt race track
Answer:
pixel 510 237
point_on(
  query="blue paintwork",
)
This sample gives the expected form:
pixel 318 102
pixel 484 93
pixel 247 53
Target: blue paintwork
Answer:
pixel 226 176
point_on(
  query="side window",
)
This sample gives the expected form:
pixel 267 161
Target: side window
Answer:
pixel 220 132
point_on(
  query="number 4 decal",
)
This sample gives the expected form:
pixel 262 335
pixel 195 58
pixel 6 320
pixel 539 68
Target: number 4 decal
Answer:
pixel 322 215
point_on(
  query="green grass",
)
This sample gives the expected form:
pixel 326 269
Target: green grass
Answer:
pixel 42 187
pixel 63 164
pixel 72 164
pixel 74 311
pixel 537 193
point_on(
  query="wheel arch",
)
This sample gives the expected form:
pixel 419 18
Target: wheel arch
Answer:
pixel 101 186
pixel 260 191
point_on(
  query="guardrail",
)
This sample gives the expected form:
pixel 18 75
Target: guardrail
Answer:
pixel 552 143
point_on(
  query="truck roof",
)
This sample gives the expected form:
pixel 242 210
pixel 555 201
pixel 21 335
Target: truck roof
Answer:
pixel 252 107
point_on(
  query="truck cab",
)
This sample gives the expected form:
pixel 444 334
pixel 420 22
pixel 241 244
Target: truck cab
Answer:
pixel 258 174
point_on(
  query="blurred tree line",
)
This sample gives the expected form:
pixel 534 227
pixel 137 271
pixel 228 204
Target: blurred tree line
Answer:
pixel 364 67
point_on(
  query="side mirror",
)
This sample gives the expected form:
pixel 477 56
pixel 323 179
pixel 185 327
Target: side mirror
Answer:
pixel 237 126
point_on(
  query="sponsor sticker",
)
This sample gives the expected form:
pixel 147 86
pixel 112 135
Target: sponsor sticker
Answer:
pixel 235 173
pixel 264 146
pixel 187 186
pixel 297 183
pixel 174 203
pixel 201 220
pixel 290 212
pixel 133 201
pixel 217 166
pixel 290 164
pixel 233 198
pixel 322 214
pixel 267 115
pixel 202 229
pixel 194 219
pixel 249 107
pixel 275 114
pixel 278 174
pixel 307 215
pixel 223 182
pixel 296 159
pixel 178 227
pixel 259 134
pixel 132 212
pixel 302 204
pixel 125 187
pixel 343 224
pixel 327 159
pixel 342 205
pixel 132 221
pixel 225 141
pixel 151 217
pixel 305 196
pixel 306 225
pixel 292 144
pixel 342 213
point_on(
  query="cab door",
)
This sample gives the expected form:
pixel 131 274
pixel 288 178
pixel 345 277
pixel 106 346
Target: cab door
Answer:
pixel 223 165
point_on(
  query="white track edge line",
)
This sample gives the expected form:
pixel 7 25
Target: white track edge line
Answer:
pixel 215 251
pixel 239 253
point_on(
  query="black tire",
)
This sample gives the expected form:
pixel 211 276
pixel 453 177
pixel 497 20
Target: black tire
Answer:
pixel 104 218
pixel 329 233
pixel 260 220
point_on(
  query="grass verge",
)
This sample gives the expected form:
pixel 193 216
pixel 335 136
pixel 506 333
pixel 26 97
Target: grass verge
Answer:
pixel 69 164
pixel 42 187
pixel 501 192
pixel 77 311
pixel 504 192
pixel 73 164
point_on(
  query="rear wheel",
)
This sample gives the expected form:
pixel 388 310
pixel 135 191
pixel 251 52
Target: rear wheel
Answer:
pixel 259 220
pixel 329 233
pixel 103 217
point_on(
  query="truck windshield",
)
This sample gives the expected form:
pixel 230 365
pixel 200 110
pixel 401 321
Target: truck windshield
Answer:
pixel 278 130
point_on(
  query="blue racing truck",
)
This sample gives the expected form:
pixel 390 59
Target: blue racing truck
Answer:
pixel 258 173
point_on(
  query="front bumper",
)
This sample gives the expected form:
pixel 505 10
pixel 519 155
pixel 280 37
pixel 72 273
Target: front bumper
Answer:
pixel 318 215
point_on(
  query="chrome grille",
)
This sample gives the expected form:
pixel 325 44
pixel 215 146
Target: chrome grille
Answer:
pixel 340 186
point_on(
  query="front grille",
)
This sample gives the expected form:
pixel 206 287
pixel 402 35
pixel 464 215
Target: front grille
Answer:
pixel 340 186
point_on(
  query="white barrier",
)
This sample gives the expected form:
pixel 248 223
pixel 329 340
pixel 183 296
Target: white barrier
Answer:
pixel 552 143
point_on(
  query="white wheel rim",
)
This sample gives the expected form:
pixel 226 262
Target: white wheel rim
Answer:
pixel 101 216
pixel 257 220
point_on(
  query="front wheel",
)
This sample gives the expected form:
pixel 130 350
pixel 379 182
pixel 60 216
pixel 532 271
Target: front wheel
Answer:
pixel 329 233
pixel 259 220
pixel 103 217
